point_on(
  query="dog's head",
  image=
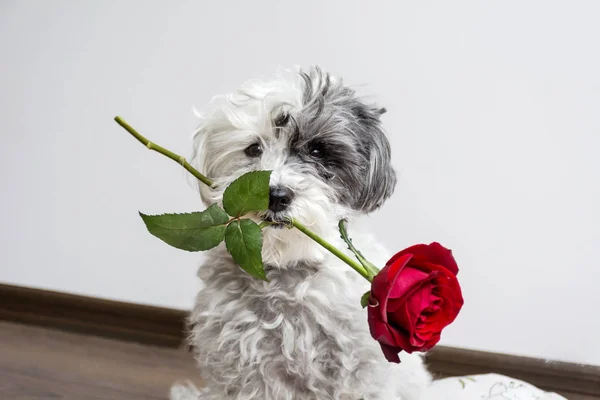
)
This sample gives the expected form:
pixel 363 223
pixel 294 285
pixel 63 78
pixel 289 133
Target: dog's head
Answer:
pixel 328 152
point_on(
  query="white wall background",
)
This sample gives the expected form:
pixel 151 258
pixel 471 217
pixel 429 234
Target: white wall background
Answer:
pixel 493 116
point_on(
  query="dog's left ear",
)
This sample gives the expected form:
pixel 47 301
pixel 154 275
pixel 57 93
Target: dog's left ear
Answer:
pixel 379 179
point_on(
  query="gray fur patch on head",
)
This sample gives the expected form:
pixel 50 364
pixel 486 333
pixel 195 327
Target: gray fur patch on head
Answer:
pixel 341 138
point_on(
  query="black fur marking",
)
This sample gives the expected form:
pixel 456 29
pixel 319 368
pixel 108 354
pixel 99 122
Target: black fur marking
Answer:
pixel 356 152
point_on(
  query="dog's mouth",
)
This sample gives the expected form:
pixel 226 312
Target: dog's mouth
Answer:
pixel 276 220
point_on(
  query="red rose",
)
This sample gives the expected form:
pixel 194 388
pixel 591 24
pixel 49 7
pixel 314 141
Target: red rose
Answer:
pixel 413 298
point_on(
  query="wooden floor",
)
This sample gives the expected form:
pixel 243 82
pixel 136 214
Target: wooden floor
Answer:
pixel 39 363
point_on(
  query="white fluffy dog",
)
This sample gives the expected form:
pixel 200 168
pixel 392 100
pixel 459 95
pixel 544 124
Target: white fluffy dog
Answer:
pixel 303 334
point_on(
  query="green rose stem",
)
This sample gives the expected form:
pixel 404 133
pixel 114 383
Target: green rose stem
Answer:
pixel 334 250
pixel 153 146
pixel 298 225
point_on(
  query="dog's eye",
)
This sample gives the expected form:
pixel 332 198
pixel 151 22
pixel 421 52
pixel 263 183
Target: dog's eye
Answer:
pixel 282 120
pixel 316 150
pixel 254 150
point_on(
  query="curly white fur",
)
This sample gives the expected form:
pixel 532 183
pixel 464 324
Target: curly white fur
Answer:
pixel 302 335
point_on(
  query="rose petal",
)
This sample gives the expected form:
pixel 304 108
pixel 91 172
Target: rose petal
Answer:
pixel 408 280
pixel 433 253
pixel 401 339
pixel 425 331
pixel 421 299
pixel 404 319
pixel 378 328
pixel 384 281
pixel 432 342
pixel 391 353
pixel 402 328
pixel 446 287
pixel 388 336
pixel 408 290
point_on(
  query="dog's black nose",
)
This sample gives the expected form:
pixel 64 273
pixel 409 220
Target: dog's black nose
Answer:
pixel 280 198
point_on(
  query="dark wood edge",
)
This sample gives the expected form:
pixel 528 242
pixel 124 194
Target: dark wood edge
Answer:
pixel 166 327
pixel 560 377
pixel 93 316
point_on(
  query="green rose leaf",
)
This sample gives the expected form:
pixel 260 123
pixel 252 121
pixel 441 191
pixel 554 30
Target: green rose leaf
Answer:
pixel 364 300
pixel 195 231
pixel 243 239
pixel 249 192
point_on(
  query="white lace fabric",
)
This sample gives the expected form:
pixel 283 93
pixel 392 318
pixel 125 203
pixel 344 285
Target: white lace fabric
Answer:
pixel 483 387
